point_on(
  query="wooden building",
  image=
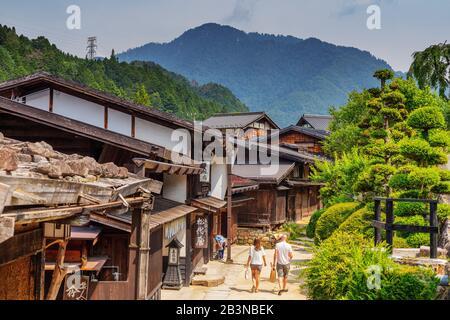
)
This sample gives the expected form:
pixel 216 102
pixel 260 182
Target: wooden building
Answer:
pixel 76 119
pixel 48 198
pixel 315 121
pixel 245 125
pixel 285 192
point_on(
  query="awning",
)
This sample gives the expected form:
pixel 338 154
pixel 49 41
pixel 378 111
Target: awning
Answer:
pixel 93 264
pixel 170 215
pixel 209 204
pixel 85 233
pixel 169 168
pixel 303 183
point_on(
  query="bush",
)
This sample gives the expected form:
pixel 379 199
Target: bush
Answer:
pixel 332 218
pixel 406 209
pixel 344 264
pixel 426 118
pixel 414 240
pixel 359 222
pixel 311 228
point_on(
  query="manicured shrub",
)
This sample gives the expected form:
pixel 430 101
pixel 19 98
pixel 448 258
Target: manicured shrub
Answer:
pixel 414 240
pixel 332 218
pixel 345 265
pixel 405 209
pixel 443 211
pixel 400 242
pixel 359 222
pixel 311 228
pixel 426 118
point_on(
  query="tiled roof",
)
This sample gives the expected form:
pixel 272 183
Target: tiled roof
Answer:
pixel 316 121
pixel 235 120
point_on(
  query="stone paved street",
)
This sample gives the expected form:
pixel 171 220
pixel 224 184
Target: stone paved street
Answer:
pixel 236 287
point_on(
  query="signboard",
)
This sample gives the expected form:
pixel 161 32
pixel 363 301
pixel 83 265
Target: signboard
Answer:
pixel 201 233
pixel 76 287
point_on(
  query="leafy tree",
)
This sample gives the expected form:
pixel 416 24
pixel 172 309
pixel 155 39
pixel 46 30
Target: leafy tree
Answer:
pixel 142 97
pixel 431 67
pixel 384 75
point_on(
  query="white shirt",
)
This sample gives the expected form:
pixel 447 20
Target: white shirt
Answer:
pixel 283 249
pixel 256 256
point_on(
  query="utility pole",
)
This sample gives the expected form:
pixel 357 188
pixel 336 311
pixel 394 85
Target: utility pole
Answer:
pixel 91 48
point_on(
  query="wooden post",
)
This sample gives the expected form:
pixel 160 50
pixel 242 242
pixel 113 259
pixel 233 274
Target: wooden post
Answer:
pixel 144 251
pixel 229 213
pixel 50 101
pixel 59 273
pixel 377 218
pixel 433 235
pixel 187 280
pixel 389 223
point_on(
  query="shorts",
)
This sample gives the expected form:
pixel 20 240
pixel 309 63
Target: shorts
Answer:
pixel 256 267
pixel 283 269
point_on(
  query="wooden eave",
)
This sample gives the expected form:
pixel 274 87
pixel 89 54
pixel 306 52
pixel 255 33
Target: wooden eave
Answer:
pixel 210 204
pixel 81 129
pixel 168 168
pixel 43 80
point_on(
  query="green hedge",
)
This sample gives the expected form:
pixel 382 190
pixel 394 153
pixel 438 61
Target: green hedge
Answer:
pixel 359 222
pixel 332 218
pixel 344 265
pixel 311 228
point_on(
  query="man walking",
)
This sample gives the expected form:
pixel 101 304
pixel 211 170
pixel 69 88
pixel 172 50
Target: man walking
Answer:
pixel 282 260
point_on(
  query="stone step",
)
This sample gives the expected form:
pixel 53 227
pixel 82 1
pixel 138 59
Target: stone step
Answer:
pixel 208 281
pixel 200 271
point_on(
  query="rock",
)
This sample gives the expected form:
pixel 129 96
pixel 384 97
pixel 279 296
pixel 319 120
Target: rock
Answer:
pixel 110 170
pixel 93 166
pixel 8 159
pixel 41 149
pixel 24 158
pixel 55 169
pixel 78 167
pixel 2 137
pixel 37 158
pixel 123 173
pixel 425 252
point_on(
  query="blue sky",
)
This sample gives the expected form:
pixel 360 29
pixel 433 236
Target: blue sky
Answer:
pixel 406 25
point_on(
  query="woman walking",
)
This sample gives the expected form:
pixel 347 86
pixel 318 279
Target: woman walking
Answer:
pixel 256 260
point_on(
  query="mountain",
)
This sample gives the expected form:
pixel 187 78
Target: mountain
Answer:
pixel 166 90
pixel 282 75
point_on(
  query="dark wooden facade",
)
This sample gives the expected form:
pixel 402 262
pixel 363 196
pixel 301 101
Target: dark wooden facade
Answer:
pixel 302 142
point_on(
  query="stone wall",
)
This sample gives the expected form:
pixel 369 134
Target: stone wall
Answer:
pixel 246 236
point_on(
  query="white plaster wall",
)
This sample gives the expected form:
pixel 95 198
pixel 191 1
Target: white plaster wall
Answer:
pixel 163 136
pixel 78 109
pixel 175 188
pixel 119 122
pixel 218 180
pixel 39 99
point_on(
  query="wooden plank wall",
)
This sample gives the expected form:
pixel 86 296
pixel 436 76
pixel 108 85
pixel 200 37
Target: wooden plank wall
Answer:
pixel 300 138
pixel 17 280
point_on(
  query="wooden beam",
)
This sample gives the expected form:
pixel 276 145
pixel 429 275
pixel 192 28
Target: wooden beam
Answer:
pixel 59 273
pixel 21 245
pixel 6 228
pixel 106 118
pixel 50 100
pixel 133 126
pixel 5 196
pixel 66 212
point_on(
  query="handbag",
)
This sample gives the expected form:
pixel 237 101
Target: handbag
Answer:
pixel 273 274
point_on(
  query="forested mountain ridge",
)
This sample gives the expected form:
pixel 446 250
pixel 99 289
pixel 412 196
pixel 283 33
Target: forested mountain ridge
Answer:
pixel 167 91
pixel 281 75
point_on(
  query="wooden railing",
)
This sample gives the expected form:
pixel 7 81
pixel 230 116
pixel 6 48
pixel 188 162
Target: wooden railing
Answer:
pixel 389 226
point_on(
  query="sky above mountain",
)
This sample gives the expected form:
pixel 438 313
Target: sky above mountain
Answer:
pixel 406 25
